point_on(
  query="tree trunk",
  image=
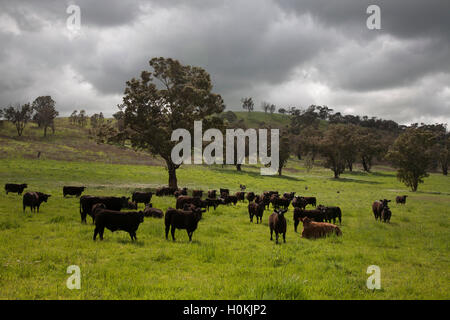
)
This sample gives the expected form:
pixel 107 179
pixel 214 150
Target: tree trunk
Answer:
pixel 350 165
pixel 444 169
pixel 238 167
pixel 280 169
pixel 172 169
pixel 45 131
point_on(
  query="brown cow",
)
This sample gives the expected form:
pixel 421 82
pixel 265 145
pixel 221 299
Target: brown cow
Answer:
pixel 312 230
pixel 277 223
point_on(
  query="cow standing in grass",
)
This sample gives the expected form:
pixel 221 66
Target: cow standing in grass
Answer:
pixel 401 199
pixel 34 200
pixel 11 187
pixel 181 219
pixel 277 223
pixel 378 206
pixel 73 191
pixel 141 197
pixel 116 220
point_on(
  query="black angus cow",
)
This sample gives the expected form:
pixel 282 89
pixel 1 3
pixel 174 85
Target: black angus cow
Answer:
pixel 227 199
pixel 224 192
pixel 165 191
pixel 34 200
pixel 331 213
pixel 401 199
pixel 256 209
pixel 300 213
pixel 212 194
pixel 277 223
pixel 182 200
pixel 149 211
pixel 240 195
pixel 250 196
pixel 116 220
pixel 111 203
pixel 73 191
pixel 141 197
pixel 11 187
pixel 182 219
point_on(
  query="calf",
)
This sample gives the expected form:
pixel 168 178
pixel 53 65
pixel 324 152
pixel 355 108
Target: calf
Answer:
pixel 34 200
pixel 141 197
pixel 197 193
pixel 240 195
pixel 212 194
pixel 277 223
pixel 378 206
pixel 256 209
pixel 181 219
pixel 116 220
pixel 73 191
pixel 401 199
pixel 300 213
pixel 111 203
pixel 331 213
pixel 224 192
pixel 229 199
pixel 11 187
pixel 299 202
pixel 153 212
pixel 386 214
pixel 182 200
pixel 313 230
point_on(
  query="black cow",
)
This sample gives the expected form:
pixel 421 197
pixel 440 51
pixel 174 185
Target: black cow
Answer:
pixel 240 195
pixel 197 193
pixel 224 192
pixel 11 187
pixel 111 203
pixel 141 197
pixel 212 194
pixel 331 213
pixel 116 220
pixel 256 209
pixel 165 191
pixel 153 212
pixel 73 191
pixel 181 219
pixel 299 202
pixel 277 223
pixel 182 200
pixel 250 196
pixel 34 200
pixel 401 199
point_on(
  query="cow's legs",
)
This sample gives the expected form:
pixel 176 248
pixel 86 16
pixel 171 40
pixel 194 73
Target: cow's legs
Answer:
pixel 271 231
pixel 95 233
pixel 296 222
pixel 284 237
pixel 172 231
pixel 276 237
pixel 189 235
pixel 167 231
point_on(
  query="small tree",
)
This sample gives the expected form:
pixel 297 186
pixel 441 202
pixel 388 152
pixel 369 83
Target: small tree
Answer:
pixel 19 116
pixel 82 119
pixel 170 97
pixel 247 104
pixel 45 112
pixel 282 110
pixel 332 148
pixel 265 106
pixel 73 117
pixel 272 108
pixel 284 152
pixel 411 154
pixel 369 146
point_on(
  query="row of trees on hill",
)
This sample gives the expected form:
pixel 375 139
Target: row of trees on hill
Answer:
pixel 41 110
pixel 173 96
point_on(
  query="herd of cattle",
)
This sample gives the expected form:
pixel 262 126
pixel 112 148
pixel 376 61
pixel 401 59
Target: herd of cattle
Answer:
pixel 107 212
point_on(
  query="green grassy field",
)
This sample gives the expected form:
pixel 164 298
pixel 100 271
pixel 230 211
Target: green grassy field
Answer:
pixel 229 257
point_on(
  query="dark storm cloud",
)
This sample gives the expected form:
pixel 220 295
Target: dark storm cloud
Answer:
pixel 289 52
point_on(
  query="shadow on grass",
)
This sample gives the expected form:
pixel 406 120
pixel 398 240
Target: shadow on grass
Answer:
pixel 353 180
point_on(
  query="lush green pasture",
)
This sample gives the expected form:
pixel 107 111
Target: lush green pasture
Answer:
pixel 229 258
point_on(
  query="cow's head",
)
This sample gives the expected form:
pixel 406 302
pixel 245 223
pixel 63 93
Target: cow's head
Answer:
pixel 24 185
pixel 281 212
pixel 43 197
pixel 305 220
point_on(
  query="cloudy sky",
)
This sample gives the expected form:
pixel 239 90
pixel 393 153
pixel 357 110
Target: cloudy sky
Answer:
pixel 287 52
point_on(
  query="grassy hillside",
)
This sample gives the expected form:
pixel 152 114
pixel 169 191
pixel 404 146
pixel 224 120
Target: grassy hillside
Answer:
pixel 256 119
pixel 229 258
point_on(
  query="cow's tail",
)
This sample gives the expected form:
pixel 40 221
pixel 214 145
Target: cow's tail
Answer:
pixel 339 215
